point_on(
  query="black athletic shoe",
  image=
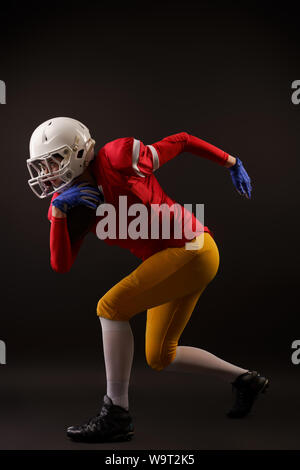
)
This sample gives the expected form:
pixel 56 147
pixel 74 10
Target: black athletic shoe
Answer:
pixel 113 423
pixel 247 387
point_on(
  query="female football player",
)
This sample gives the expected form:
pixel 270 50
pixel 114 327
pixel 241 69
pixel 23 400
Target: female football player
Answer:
pixel 174 270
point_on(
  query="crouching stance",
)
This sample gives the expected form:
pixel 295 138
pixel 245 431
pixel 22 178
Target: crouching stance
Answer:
pixel 171 277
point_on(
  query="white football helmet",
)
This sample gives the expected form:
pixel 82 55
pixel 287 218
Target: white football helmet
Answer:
pixel 65 142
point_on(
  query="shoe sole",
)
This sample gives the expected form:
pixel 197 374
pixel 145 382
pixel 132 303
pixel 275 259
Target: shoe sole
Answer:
pixel 126 437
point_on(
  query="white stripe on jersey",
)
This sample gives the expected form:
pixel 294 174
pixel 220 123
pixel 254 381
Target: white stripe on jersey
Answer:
pixel 154 156
pixel 136 156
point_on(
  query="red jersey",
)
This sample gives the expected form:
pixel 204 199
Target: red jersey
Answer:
pixel 126 167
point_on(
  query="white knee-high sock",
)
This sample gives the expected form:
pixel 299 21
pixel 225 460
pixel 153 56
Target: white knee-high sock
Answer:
pixel 190 359
pixel 118 348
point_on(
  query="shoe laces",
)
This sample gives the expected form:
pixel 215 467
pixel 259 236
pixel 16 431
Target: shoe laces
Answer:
pixel 94 419
pixel 96 423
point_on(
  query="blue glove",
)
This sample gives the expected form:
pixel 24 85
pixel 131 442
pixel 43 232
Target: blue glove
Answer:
pixel 78 194
pixel 240 179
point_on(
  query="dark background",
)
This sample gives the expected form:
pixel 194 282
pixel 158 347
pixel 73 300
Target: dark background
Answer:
pixel 221 71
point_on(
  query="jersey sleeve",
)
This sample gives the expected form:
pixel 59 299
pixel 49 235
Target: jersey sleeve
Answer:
pixel 132 157
pixel 62 252
pixel 173 145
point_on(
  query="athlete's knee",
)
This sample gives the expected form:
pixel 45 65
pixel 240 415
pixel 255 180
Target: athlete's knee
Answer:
pixel 102 310
pixel 155 364
pixel 106 310
pixel 158 363
pixel 158 360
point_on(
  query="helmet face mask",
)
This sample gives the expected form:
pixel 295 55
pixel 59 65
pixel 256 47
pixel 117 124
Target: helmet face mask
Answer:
pixel 60 150
pixel 43 178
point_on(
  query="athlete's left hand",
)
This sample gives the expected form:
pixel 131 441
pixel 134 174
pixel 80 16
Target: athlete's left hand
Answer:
pixel 241 179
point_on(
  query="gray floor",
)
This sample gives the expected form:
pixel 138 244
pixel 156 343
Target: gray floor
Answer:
pixel 170 411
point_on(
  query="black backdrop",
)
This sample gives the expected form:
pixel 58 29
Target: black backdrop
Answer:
pixel 221 71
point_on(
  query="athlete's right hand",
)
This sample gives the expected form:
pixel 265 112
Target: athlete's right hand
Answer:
pixel 78 194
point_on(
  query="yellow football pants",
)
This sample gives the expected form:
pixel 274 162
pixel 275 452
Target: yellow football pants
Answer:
pixel 168 285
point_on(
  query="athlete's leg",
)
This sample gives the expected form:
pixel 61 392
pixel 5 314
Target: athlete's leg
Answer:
pixel 118 348
pixel 174 275
pixel 165 325
pixel 190 359
pixel 155 281
pixel 166 322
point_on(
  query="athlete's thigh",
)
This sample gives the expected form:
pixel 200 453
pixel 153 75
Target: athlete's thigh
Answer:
pixel 168 275
pixel 137 293
pixel 165 324
pixel 152 283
